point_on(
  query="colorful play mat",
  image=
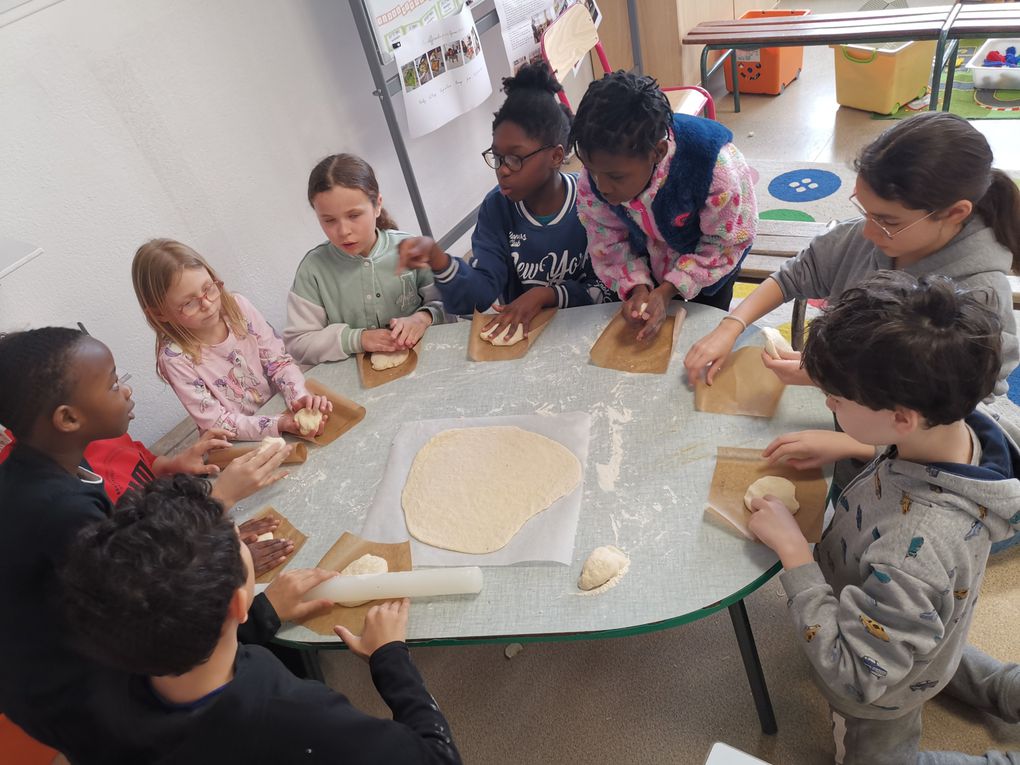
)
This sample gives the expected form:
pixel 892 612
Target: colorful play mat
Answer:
pixel 803 191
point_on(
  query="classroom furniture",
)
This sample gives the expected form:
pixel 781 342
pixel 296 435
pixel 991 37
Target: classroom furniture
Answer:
pixel 976 21
pixel 646 483
pixel 573 34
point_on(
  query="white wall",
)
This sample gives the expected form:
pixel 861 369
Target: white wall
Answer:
pixel 124 120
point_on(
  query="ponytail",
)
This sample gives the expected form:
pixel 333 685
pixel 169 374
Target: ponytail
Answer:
pixel 1000 210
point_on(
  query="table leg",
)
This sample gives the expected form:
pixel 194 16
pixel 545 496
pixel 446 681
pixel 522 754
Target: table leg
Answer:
pixel 752 665
pixel 947 92
pixel 936 72
pixel 797 324
pixel 736 80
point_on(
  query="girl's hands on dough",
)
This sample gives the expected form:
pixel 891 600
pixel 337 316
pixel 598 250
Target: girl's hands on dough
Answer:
pixel 269 553
pixel 632 305
pixel 406 331
pixel 250 473
pixel 521 311
pixel 788 368
pixel 711 351
pixel 253 528
pixel 384 624
pixel 807 449
pixel 315 403
pixel 772 523
pixel 285 593
pixel 378 341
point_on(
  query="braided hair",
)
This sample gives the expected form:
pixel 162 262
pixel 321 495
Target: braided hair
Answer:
pixel 531 103
pixel 622 113
pixel 35 375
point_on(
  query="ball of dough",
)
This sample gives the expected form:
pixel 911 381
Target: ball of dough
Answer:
pixel 366 564
pixel 775 343
pixel 603 564
pixel 271 443
pixel 308 420
pixel 381 361
pixel 498 336
pixel 778 487
pixel 267 537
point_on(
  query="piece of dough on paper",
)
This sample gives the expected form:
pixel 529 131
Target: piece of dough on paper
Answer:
pixel 381 361
pixel 366 564
pixel 780 488
pixel 271 443
pixel 498 336
pixel 308 420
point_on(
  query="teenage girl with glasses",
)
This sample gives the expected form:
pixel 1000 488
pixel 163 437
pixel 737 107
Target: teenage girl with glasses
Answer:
pixel 931 203
pixel 223 360
pixel 530 251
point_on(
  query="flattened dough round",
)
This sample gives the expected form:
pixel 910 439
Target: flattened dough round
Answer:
pixel 778 487
pixel 603 564
pixel 775 343
pixel 471 489
pixel 308 420
pixel 366 564
pixel 271 443
pixel 500 334
pixel 381 361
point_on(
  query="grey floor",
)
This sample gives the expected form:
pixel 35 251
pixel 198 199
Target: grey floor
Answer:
pixel 665 697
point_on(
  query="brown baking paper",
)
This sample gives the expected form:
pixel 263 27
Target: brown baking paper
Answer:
pixel 618 346
pixel 372 378
pixel 348 548
pixel 736 469
pixel 345 415
pixel 482 350
pixel 286 530
pixel 223 457
pixel 743 386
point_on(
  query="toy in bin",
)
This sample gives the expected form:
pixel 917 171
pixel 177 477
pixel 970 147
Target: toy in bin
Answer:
pixel 997 59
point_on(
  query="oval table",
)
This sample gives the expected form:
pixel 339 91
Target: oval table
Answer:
pixel 646 483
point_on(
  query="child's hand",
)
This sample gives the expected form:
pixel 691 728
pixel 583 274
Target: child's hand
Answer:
pixel 315 403
pixel 250 473
pixel 406 331
pixel 814 448
pixel 378 341
pixel 650 309
pixel 711 351
pixel 523 310
pixel 269 554
pixel 384 624
pixel 773 524
pixel 638 297
pixel 421 252
pixel 192 460
pixel 788 368
pixel 253 528
pixel 287 590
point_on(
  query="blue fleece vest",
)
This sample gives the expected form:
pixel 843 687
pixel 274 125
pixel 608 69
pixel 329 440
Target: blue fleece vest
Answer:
pixel 677 204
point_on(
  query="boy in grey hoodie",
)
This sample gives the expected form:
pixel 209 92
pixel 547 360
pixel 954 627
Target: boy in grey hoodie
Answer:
pixel 885 602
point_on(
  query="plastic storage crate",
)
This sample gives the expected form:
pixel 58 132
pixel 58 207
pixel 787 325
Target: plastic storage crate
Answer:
pixel 994 77
pixel 766 70
pixel 881 78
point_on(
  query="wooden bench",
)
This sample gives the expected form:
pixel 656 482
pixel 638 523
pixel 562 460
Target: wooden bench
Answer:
pixel 995 20
pixel 896 25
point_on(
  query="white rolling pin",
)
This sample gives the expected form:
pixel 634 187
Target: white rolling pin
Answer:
pixel 399 584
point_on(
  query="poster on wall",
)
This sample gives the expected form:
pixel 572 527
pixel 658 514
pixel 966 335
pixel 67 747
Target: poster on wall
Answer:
pixel 523 22
pixel 393 19
pixel 442 72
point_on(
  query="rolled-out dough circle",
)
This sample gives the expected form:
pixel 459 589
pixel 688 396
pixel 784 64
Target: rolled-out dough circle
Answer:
pixel 775 343
pixel 271 443
pixel 308 420
pixel 497 336
pixel 602 565
pixel 778 487
pixel 381 361
pixel 366 564
pixel 471 489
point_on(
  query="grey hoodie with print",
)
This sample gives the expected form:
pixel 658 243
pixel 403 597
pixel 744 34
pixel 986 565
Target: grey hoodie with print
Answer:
pixel 885 609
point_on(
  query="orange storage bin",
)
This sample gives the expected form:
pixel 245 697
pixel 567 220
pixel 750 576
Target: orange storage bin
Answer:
pixel 766 70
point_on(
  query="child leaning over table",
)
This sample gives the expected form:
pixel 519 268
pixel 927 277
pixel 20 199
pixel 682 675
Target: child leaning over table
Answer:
pixel 885 602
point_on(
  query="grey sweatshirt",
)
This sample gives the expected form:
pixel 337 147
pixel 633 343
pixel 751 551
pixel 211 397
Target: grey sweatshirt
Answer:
pixel 843 258
pixel 885 609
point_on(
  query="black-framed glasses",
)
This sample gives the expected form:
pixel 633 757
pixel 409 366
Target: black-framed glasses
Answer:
pixel 512 161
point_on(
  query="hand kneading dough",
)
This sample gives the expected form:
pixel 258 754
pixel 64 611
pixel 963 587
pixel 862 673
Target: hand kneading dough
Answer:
pixel 267 537
pixel 602 565
pixel 308 421
pixel 366 564
pixel 381 361
pixel 779 488
pixel 471 489
pixel 775 343
pixel 271 443
pixel 500 336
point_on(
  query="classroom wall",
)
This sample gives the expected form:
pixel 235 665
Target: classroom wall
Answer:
pixel 125 120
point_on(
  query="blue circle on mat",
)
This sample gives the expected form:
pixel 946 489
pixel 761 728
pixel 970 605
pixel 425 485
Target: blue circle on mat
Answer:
pixel 807 185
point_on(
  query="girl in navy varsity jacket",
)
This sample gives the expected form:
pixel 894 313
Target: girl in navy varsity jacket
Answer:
pixel 529 251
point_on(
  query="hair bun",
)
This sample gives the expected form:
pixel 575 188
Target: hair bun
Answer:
pixel 537 76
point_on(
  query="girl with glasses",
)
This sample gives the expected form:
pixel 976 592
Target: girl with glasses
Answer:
pixel 529 250
pixel 222 358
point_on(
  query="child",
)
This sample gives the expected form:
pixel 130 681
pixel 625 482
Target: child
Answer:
pixel 529 249
pixel 667 200
pixel 931 203
pixel 347 296
pixel 158 591
pixel 221 357
pixel 887 598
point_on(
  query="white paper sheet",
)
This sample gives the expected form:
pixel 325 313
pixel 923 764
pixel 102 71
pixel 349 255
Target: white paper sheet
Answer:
pixel 548 536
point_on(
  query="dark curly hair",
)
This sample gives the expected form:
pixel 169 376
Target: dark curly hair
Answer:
pixel 622 113
pixel 531 103
pixel 925 345
pixel 35 375
pixel 147 589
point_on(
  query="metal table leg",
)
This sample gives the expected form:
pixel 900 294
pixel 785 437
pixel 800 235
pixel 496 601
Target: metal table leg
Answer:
pixel 947 93
pixel 752 665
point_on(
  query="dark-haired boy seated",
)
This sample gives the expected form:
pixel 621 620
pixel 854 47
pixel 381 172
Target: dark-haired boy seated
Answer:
pixel 885 603
pixel 158 591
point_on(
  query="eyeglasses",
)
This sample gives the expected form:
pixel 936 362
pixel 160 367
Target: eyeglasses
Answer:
pixel 512 161
pixel 194 305
pixel 889 234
